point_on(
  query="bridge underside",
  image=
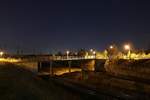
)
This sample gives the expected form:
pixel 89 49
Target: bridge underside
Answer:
pixel 52 67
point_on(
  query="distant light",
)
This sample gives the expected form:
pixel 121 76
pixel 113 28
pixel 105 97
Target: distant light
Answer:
pixel 94 52
pixel 91 50
pixel 111 47
pixel 1 53
pixel 76 53
pixel 127 47
pixel 67 52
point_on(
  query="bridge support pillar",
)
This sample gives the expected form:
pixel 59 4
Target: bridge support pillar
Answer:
pixel 51 68
pixel 69 63
pixel 39 66
pixel 86 67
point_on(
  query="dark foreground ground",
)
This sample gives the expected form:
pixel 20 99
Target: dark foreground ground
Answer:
pixel 126 88
pixel 19 84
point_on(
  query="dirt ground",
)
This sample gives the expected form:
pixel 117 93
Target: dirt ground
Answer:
pixel 20 84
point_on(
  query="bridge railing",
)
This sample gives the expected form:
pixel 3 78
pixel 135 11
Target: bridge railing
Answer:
pixel 48 58
pixel 63 58
pixel 68 58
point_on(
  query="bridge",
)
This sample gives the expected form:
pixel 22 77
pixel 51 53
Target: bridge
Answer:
pixel 56 58
pixel 45 64
pixel 70 64
pixel 52 65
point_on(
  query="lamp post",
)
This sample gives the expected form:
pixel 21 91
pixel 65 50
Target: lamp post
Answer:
pixel 111 51
pixel 91 50
pixel 128 48
pixel 67 52
pixel 94 53
pixel 111 47
pixel 1 54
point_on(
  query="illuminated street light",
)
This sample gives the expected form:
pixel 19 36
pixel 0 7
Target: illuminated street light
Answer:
pixel 91 50
pixel 94 53
pixel 67 52
pixel 111 47
pixel 1 53
pixel 127 47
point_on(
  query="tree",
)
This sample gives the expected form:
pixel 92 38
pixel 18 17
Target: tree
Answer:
pixel 113 52
pixel 82 52
pixel 59 53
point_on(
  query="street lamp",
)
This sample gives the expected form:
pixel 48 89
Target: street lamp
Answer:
pixel 94 53
pixel 111 47
pixel 67 52
pixel 128 48
pixel 91 50
pixel 1 53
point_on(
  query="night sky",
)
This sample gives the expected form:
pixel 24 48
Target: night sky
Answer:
pixel 53 25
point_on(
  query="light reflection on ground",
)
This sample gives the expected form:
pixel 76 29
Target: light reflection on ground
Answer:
pixel 11 60
pixel 60 71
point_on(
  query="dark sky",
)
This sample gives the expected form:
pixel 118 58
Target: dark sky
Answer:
pixel 49 25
